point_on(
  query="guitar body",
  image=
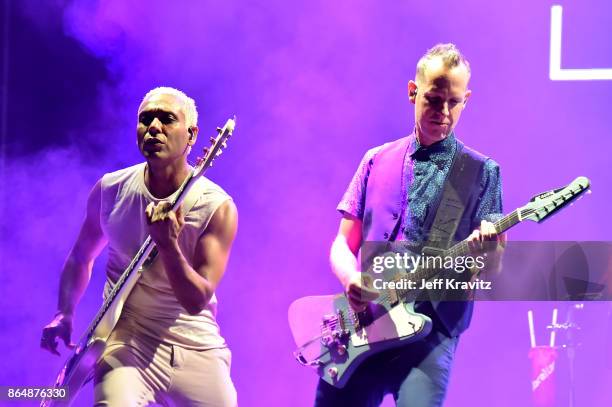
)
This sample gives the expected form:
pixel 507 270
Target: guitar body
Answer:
pixel 337 343
pixel 79 368
pixel 77 371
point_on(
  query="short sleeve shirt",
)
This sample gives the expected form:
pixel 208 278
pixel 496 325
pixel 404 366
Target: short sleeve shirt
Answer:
pixel 426 171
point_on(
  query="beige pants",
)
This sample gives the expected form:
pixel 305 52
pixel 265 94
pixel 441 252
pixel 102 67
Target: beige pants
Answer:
pixel 141 371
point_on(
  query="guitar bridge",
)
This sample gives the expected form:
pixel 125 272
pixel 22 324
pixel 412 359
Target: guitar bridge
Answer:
pixel 334 333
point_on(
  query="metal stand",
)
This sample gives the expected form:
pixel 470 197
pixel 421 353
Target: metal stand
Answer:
pixel 571 329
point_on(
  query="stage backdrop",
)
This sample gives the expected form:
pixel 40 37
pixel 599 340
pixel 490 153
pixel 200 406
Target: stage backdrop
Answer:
pixel 313 84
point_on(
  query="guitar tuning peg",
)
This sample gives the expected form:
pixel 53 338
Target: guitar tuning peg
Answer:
pixel 212 140
pixel 205 150
pixel 219 130
pixel 224 144
pixel 219 152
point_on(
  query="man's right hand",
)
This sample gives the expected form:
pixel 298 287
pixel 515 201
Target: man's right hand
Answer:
pixel 60 327
pixel 343 259
pixel 358 293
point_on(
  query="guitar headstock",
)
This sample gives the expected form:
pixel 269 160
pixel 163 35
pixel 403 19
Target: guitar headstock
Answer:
pixel 545 204
pixel 218 144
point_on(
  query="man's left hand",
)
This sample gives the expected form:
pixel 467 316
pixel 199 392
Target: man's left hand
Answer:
pixel 486 239
pixel 164 224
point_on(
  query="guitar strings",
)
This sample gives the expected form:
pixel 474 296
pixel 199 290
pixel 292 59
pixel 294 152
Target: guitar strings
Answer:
pixel 506 222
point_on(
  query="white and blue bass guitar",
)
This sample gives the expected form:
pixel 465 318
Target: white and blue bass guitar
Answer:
pixel 334 339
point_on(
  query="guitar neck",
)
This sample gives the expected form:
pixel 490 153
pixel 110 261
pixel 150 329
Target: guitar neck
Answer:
pixel 462 248
pixel 505 223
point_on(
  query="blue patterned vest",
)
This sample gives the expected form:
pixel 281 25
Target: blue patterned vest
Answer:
pixel 385 202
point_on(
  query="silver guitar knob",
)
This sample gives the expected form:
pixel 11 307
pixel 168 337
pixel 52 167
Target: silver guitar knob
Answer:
pixel 333 372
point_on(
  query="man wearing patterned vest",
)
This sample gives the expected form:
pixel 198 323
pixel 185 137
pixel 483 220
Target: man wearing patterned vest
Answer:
pixel 395 188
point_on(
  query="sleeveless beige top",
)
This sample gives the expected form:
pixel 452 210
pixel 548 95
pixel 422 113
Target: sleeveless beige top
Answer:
pixel 152 306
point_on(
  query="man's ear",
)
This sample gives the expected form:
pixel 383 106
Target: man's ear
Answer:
pixel 412 91
pixel 193 134
pixel 468 93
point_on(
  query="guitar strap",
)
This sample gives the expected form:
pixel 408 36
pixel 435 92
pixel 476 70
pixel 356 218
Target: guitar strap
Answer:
pixel 192 197
pixel 460 182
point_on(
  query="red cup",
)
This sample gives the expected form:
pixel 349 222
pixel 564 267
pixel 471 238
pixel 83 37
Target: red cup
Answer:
pixel 543 360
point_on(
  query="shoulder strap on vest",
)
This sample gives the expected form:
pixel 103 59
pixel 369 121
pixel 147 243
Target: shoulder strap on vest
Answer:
pixel 458 187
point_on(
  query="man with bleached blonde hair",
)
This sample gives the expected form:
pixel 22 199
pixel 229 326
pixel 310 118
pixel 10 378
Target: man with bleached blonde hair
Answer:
pixel 394 196
pixel 166 347
pixel 188 105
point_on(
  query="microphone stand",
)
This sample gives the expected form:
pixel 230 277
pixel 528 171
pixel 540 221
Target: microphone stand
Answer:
pixel 571 329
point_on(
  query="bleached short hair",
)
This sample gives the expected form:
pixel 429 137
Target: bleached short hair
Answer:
pixel 450 54
pixel 189 107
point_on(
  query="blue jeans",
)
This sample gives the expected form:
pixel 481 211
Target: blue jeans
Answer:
pixel 416 375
